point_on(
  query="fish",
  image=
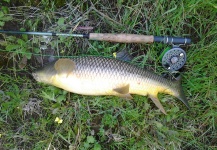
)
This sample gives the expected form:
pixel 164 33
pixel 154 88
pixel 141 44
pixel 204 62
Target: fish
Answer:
pixel 94 75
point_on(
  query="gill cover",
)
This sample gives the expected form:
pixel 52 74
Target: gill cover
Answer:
pixel 64 67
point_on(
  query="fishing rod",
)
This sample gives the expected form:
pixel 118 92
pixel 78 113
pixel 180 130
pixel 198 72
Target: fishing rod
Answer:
pixel 172 58
pixel 113 37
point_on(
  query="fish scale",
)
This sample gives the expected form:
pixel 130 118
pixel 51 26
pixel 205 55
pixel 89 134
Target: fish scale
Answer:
pixel 101 66
pixel 92 75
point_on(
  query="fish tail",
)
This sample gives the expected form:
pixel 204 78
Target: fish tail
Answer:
pixel 179 93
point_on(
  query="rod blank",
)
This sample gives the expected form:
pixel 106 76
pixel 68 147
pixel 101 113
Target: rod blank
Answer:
pixel 41 33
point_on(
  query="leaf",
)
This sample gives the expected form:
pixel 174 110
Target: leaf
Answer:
pixel 60 22
pixel 36 50
pixel 119 3
pixel 158 124
pixel 22 29
pixel 5 9
pixel 12 47
pixel 11 39
pixel 3 17
pixel 1 14
pixel 97 147
pixel 90 139
pixel 7 1
pixel 2 24
pixel 28 55
pixel 25 37
pixel 86 145
pixel 48 95
pixel 60 98
pixel 21 42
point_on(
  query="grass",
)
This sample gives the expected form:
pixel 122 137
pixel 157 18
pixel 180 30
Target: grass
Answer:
pixel 28 109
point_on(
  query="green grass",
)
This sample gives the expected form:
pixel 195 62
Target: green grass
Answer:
pixel 28 109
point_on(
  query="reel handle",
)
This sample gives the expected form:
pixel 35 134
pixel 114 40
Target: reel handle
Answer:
pixel 135 38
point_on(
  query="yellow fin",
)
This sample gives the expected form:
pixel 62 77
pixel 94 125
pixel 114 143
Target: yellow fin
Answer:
pixel 64 67
pixel 122 90
pixel 157 103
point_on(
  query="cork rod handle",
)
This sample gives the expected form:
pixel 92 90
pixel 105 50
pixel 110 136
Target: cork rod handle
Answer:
pixel 122 38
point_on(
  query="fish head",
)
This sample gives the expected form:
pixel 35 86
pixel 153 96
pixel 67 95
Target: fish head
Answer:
pixel 54 72
pixel 45 74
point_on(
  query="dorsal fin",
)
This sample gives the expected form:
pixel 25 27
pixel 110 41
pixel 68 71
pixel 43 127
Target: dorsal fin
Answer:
pixel 64 66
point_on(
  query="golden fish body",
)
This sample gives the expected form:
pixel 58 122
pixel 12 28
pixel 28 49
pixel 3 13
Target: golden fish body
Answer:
pixel 104 76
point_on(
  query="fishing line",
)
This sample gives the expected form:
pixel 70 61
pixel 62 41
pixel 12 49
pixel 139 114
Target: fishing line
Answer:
pixel 44 55
pixel 29 53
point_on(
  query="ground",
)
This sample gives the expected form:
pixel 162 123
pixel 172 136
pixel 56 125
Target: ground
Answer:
pixel 39 116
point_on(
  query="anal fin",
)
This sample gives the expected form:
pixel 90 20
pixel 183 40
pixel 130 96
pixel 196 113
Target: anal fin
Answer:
pixel 157 103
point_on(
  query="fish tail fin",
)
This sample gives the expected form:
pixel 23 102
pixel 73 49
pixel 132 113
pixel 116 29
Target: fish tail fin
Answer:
pixel 179 93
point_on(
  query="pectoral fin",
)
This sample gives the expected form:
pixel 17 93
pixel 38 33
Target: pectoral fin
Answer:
pixel 157 103
pixel 123 89
pixel 64 67
pixel 123 92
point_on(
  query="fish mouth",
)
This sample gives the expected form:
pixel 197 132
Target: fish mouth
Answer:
pixel 35 76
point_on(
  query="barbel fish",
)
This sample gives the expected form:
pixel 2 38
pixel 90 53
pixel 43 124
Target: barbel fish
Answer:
pixel 92 75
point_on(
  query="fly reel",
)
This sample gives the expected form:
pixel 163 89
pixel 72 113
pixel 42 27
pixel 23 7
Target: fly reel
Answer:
pixel 173 58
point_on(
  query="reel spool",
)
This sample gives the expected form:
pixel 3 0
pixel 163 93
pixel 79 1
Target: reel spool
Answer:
pixel 173 59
